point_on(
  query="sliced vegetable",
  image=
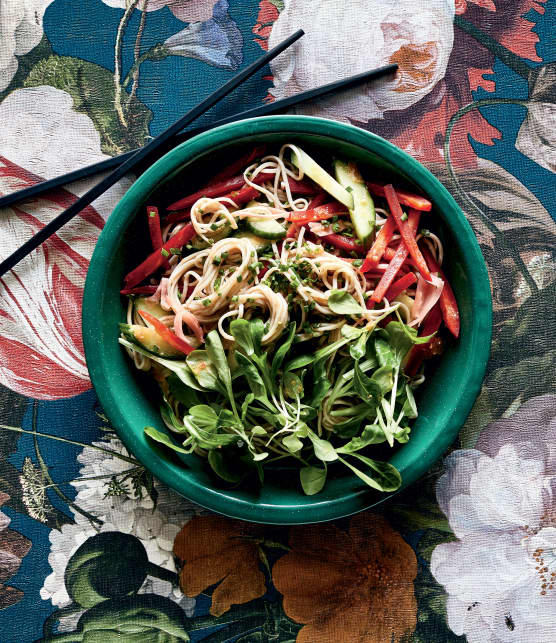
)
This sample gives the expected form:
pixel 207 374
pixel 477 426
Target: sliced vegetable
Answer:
pixel 320 176
pixel 400 256
pixel 320 213
pixel 219 188
pixel 149 339
pixel 258 242
pixel 266 228
pixel 155 260
pixel 150 306
pixel 448 303
pixel 418 353
pixel 380 244
pixel 302 187
pixel 154 226
pixel 237 166
pixel 405 198
pixel 139 290
pixel 408 236
pixel 400 285
pixel 166 333
pixel 342 242
pixel 363 211
pixel 318 200
pixel 213 235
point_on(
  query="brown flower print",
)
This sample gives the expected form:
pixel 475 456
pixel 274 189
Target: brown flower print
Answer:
pixel 354 586
pixel 13 547
pixel 216 550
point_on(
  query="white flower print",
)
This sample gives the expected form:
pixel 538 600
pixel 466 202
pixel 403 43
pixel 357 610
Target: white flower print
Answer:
pixel 342 39
pixel 500 575
pixel 20 31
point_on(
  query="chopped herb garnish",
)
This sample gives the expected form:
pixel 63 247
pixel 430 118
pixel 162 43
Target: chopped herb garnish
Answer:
pixel 349 188
pixel 239 279
pixel 214 226
pixel 206 302
pixel 235 299
pixel 404 217
pixel 175 251
pixel 152 214
pixel 164 252
pixel 357 263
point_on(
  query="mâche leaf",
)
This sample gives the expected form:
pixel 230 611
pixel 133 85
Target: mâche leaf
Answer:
pixel 342 303
pixel 162 438
pixel 312 479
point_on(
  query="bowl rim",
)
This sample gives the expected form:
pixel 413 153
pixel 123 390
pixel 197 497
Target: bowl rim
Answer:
pixel 217 499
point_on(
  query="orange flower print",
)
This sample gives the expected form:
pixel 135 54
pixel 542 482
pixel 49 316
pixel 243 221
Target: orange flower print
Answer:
pixel 355 586
pixel 214 550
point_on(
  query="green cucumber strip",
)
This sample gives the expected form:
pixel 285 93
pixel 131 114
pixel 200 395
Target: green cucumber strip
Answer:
pixel 319 175
pixel 363 212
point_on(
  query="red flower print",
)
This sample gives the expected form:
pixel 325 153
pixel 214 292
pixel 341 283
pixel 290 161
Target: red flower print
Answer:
pixel 41 352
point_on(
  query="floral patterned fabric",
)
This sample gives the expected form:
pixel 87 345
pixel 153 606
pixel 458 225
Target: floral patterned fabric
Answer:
pixel 92 547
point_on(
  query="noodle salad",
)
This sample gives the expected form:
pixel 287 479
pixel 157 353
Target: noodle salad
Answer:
pixel 286 318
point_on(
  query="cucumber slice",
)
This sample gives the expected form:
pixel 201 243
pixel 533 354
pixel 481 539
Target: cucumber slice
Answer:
pixel 266 228
pixel 319 175
pixel 216 235
pixel 151 307
pixel 259 243
pixel 148 339
pixel 363 212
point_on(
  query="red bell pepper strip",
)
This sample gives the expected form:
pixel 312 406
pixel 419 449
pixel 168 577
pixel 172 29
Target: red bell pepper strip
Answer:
pixel 400 285
pixel 408 237
pixel 140 290
pixel 447 301
pixel 419 351
pixel 178 215
pixel 389 254
pixel 380 244
pixel 155 260
pixel 399 258
pixel 405 198
pixel 238 166
pixel 344 243
pixel 239 197
pixel 166 334
pixel 317 201
pixel 303 187
pixel 219 189
pixel 320 213
pixel 243 195
pixel 154 226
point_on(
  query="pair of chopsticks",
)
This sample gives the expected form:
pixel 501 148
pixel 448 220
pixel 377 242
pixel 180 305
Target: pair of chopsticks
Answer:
pixel 125 163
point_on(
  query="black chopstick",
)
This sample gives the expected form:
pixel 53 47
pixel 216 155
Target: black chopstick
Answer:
pixel 141 154
pixel 262 110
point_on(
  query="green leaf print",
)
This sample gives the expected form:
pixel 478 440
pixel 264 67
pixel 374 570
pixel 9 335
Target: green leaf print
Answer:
pixel 92 89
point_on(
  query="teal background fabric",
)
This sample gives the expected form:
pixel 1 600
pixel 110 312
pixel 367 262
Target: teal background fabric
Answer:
pixel 465 554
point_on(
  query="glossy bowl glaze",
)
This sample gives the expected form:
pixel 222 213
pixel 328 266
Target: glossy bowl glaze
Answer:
pixel 131 404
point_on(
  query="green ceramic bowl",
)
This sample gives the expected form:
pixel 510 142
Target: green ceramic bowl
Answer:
pixel 446 397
